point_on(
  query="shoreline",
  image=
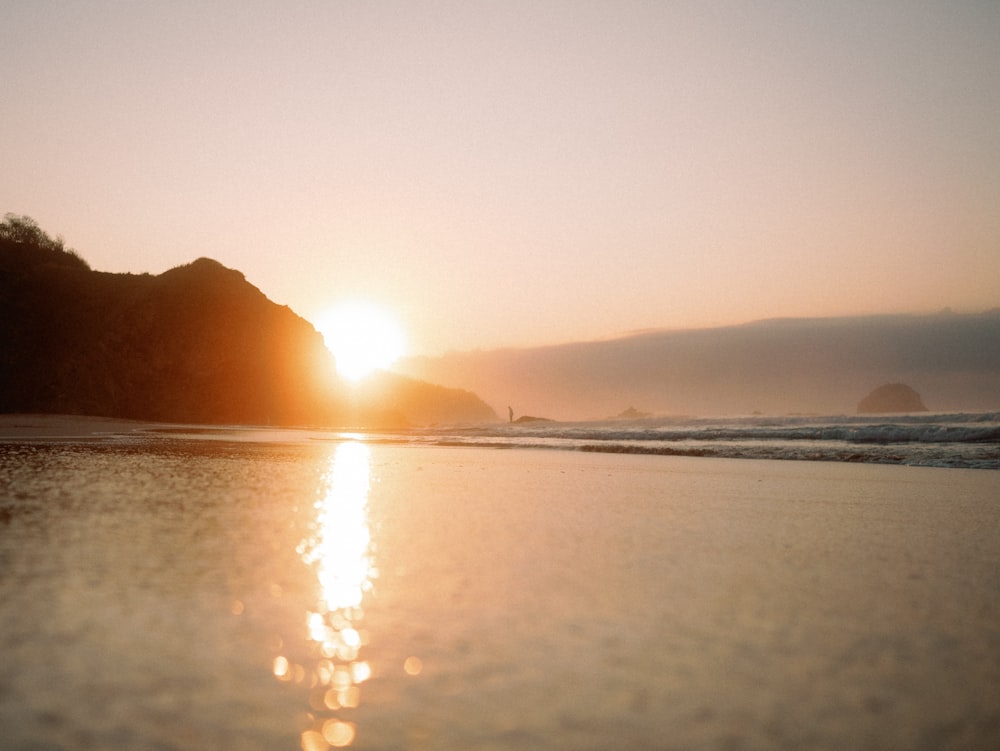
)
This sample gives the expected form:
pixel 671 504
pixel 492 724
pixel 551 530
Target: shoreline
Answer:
pixel 21 425
pixel 943 444
pixel 27 426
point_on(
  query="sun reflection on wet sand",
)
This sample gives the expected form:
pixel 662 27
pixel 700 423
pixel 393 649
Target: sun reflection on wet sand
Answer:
pixel 339 551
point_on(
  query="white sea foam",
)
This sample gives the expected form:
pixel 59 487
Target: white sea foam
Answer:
pixel 942 440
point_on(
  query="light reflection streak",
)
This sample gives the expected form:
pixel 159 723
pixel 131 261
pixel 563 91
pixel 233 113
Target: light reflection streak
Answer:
pixel 340 553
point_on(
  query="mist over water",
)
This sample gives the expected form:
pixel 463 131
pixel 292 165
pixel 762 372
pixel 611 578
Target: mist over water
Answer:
pixel 779 367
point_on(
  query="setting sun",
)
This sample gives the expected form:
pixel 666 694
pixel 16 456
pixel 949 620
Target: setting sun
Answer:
pixel 362 337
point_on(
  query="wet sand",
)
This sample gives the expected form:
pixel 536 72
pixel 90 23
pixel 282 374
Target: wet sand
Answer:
pixel 28 426
pixel 518 599
pixel 631 602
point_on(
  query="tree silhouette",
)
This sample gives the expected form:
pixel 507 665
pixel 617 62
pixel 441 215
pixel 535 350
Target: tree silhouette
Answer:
pixel 24 231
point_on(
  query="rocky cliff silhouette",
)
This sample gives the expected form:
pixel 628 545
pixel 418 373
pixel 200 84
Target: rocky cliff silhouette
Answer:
pixel 197 343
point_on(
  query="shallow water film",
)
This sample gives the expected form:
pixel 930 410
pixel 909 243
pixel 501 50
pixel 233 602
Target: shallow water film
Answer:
pixel 201 592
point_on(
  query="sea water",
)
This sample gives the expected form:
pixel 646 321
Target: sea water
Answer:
pixel 970 440
pixel 286 590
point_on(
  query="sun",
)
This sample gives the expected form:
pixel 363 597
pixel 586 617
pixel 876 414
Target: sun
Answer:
pixel 362 337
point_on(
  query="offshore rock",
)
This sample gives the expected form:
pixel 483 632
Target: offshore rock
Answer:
pixel 632 414
pixel 891 397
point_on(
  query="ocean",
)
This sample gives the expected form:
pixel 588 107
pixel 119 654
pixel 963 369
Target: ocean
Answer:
pixel 191 587
pixel 970 440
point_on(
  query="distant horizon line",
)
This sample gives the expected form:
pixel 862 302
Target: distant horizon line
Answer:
pixel 41 235
pixel 947 311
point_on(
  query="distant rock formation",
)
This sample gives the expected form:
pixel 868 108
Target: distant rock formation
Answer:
pixel 197 343
pixel 528 419
pixel 632 414
pixel 891 397
pixel 389 400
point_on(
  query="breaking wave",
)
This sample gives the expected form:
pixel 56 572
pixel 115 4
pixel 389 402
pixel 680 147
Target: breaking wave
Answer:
pixel 940 440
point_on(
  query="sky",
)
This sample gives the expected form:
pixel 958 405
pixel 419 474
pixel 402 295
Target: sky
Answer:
pixel 512 173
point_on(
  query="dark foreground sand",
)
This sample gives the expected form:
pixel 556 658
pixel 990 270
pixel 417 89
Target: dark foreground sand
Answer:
pixel 19 426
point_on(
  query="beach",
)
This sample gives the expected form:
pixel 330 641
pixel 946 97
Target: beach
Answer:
pixel 302 590
pixel 64 427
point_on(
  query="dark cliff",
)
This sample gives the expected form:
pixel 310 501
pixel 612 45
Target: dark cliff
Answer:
pixel 197 343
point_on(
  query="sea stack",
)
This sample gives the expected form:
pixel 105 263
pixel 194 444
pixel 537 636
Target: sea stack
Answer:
pixel 891 397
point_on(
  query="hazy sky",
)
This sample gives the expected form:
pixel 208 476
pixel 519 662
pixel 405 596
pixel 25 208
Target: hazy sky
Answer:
pixel 514 173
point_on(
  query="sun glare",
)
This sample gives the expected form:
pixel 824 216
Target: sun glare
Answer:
pixel 362 337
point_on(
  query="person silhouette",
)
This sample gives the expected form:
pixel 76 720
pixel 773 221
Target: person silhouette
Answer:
pixel 510 414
